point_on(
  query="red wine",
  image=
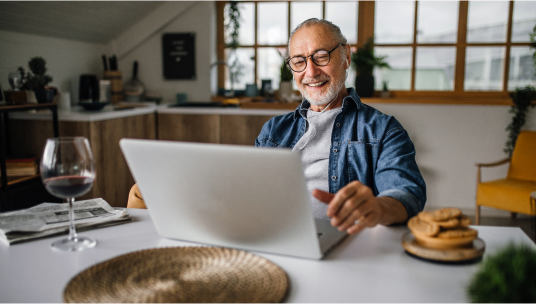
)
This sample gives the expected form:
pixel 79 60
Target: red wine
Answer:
pixel 68 186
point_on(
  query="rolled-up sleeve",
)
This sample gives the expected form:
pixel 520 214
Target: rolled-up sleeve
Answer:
pixel 397 174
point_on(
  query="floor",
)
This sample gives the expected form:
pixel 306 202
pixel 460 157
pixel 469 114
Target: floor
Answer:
pixel 523 223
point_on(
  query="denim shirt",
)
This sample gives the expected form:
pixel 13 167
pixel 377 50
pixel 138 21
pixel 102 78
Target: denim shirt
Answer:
pixel 366 145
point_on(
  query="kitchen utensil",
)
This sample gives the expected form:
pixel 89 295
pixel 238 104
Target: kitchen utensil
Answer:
pixel 134 89
pixel 89 89
pixel 105 63
pixel 105 89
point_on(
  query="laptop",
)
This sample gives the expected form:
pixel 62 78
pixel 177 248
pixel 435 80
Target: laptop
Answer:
pixel 241 197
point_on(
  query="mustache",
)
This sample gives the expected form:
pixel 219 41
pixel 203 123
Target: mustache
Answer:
pixel 315 79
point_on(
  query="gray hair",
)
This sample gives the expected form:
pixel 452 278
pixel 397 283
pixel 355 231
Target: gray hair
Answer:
pixel 332 28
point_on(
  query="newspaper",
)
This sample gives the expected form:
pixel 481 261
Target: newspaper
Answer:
pixel 49 219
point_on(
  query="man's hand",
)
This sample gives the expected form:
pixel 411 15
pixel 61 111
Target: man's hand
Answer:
pixel 354 208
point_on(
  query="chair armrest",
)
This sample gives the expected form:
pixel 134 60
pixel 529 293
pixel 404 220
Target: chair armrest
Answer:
pixel 494 164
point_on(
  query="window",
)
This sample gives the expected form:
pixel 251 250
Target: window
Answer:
pixel 435 48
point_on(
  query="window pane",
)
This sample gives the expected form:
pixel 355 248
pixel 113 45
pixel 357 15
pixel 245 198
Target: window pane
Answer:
pixel 246 34
pixel 301 11
pixel 437 22
pixel 521 72
pixel 269 62
pixel 273 23
pixel 399 76
pixel 435 68
pixel 394 21
pixel 484 68
pixel 523 20
pixel 487 21
pixel 244 64
pixel 344 15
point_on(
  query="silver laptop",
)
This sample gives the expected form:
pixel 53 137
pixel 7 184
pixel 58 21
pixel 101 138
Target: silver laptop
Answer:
pixel 231 196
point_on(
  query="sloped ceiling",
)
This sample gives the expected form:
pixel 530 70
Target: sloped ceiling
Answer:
pixel 88 21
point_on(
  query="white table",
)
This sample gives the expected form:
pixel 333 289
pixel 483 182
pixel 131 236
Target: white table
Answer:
pixel 369 267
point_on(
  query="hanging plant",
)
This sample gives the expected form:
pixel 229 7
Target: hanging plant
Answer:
pixel 232 28
pixel 522 99
pixel 232 24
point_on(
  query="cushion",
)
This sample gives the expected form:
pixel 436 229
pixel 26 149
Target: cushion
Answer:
pixel 523 164
pixel 507 194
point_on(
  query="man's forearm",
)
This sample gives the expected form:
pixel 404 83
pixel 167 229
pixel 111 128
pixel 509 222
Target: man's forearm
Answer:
pixel 393 212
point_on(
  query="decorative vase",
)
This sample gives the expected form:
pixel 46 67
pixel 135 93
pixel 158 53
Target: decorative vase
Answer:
pixel 45 96
pixel 364 85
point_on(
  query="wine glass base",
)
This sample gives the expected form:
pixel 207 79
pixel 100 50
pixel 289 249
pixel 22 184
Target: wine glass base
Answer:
pixel 77 244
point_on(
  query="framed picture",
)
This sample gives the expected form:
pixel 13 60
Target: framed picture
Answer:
pixel 179 56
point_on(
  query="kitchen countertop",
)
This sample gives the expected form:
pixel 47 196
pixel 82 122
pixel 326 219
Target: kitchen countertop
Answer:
pixel 77 113
pixel 165 109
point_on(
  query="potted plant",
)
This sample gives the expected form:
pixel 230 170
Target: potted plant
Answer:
pixel 506 276
pixel 285 85
pixel 364 61
pixel 37 80
pixel 385 91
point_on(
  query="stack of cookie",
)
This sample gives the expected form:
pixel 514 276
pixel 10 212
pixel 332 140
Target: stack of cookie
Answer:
pixel 442 229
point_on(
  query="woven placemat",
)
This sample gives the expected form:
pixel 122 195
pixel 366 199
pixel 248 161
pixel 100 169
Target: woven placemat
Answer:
pixel 180 274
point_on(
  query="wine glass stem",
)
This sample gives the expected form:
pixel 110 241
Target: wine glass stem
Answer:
pixel 72 229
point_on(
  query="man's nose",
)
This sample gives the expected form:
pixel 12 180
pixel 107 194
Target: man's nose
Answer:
pixel 311 70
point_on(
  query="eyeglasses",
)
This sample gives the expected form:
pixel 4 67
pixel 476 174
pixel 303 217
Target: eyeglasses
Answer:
pixel 320 58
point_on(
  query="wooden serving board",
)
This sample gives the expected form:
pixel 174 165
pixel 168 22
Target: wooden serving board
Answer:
pixel 468 252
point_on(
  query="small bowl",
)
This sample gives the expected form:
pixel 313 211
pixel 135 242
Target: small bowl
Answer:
pixel 93 106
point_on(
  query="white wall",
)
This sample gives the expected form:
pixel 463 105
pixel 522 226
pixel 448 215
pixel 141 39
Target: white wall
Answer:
pixel 197 17
pixel 449 140
pixel 65 59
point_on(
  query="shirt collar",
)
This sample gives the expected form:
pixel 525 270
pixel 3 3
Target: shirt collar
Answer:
pixel 301 110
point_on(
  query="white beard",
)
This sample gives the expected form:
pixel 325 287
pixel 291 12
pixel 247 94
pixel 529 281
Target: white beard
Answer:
pixel 319 98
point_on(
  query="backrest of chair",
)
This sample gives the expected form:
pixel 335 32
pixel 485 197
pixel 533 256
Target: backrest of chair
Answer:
pixel 523 164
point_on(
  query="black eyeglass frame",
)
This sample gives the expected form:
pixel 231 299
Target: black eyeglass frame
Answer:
pixel 305 58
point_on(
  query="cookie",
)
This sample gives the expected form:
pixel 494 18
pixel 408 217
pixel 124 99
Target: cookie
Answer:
pixel 418 226
pixel 457 233
pixel 440 215
pixel 465 221
pixel 443 244
pixel 451 223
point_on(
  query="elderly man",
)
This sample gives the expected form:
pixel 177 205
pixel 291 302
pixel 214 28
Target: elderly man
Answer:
pixel 359 163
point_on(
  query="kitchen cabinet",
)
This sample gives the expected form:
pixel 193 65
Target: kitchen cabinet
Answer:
pixel 219 125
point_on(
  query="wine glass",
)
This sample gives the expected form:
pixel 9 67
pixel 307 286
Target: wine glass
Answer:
pixel 68 171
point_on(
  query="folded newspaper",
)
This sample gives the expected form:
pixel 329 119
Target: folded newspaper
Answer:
pixel 49 219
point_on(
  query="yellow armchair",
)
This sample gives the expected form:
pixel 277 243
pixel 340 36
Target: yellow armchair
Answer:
pixel 512 193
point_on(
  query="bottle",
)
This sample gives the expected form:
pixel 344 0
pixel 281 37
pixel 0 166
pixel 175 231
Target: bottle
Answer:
pixel 134 89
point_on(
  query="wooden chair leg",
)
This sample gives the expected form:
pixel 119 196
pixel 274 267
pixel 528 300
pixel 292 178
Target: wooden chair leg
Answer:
pixel 513 215
pixel 477 215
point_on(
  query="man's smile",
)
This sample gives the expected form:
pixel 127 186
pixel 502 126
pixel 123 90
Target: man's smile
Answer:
pixel 316 84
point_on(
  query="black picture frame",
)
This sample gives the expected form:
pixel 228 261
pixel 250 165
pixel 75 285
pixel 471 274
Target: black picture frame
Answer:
pixel 179 56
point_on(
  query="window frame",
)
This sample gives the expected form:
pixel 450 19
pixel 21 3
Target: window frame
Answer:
pixel 365 29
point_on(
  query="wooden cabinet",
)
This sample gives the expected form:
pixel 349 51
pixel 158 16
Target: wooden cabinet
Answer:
pixel 211 128
pixel 113 180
